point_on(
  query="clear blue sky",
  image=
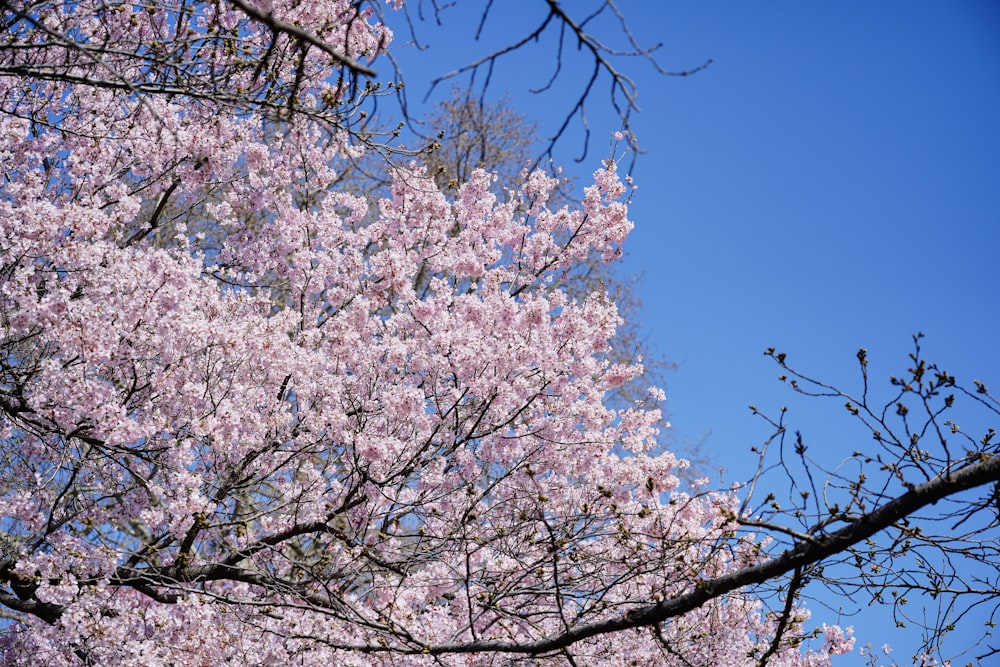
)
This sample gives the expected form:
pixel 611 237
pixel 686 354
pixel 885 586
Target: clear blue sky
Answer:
pixel 831 181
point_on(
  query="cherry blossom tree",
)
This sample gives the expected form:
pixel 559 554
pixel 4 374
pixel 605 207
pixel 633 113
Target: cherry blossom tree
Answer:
pixel 249 417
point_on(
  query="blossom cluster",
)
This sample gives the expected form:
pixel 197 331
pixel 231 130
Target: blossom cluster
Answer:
pixel 250 418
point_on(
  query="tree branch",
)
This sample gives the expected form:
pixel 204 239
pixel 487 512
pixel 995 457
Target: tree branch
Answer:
pixel 802 555
pixel 302 35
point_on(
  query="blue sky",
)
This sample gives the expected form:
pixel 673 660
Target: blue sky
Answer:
pixel 831 181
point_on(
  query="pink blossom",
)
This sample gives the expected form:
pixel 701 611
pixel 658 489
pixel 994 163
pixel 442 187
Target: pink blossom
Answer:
pixel 288 425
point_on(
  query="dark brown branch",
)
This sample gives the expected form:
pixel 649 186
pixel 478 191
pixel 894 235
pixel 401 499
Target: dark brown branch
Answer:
pixel 49 613
pixel 601 53
pixel 155 218
pixel 302 35
pixel 802 555
pixel 786 616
